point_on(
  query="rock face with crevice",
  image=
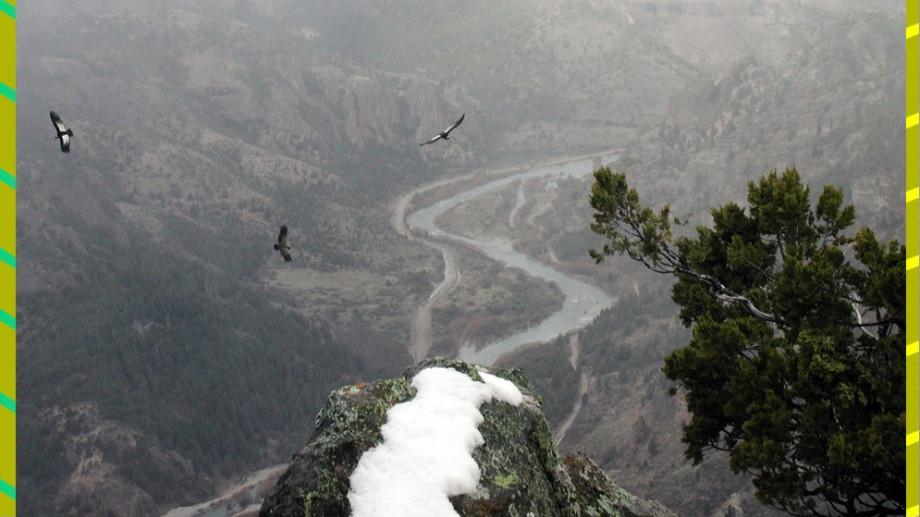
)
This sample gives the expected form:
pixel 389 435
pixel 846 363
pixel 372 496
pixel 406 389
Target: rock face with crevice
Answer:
pixel 521 472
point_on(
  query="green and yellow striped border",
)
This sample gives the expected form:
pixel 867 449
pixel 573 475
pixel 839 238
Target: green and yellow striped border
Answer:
pixel 912 162
pixel 7 257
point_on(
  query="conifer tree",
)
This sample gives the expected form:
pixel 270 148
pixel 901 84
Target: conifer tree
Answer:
pixel 796 362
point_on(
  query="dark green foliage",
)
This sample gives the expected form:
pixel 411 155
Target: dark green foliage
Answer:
pixel 209 368
pixel 796 362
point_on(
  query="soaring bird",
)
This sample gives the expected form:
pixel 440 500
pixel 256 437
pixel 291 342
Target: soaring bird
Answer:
pixel 444 134
pixel 282 244
pixel 64 134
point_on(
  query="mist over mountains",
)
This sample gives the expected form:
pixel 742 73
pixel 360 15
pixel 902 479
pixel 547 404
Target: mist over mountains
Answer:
pixel 164 351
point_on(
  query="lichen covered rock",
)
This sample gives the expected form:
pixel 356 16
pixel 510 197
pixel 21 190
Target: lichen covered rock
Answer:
pixel 599 495
pixel 521 473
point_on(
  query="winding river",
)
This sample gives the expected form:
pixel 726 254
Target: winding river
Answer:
pixel 583 302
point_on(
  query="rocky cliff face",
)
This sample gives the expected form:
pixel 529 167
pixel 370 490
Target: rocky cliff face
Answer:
pixel 828 107
pixel 521 473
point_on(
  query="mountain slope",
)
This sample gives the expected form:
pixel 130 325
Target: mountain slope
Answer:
pixel 833 111
pixel 157 361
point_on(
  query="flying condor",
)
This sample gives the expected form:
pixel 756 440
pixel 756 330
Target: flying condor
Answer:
pixel 282 244
pixel 64 134
pixel 444 134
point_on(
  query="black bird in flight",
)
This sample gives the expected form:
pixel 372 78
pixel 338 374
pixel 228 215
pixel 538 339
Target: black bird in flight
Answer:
pixel 444 134
pixel 282 244
pixel 64 134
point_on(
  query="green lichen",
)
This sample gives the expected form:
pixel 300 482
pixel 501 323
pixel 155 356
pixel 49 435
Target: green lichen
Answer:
pixel 605 505
pixel 505 480
pixel 599 495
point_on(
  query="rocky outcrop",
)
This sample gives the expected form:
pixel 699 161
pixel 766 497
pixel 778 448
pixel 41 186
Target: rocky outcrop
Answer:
pixel 521 472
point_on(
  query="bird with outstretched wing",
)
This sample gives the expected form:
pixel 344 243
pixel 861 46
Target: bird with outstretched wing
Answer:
pixel 445 135
pixel 64 134
pixel 282 245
